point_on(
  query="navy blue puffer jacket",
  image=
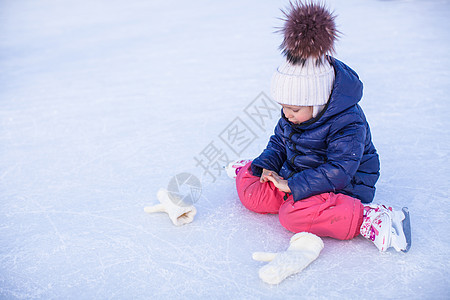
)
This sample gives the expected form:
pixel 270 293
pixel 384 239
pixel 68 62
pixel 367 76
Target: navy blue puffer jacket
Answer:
pixel 332 152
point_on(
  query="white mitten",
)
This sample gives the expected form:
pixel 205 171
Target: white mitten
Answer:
pixel 179 215
pixel 304 248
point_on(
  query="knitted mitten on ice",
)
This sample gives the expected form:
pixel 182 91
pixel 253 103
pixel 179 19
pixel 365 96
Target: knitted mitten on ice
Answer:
pixel 178 213
pixel 304 248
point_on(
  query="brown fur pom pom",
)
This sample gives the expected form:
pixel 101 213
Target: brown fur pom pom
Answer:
pixel 309 32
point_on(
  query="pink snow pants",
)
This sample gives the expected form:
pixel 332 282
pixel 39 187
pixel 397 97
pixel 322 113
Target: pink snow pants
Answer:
pixel 327 215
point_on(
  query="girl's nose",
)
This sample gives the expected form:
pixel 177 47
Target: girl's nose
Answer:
pixel 286 113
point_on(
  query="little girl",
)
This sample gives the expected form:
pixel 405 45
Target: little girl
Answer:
pixel 320 166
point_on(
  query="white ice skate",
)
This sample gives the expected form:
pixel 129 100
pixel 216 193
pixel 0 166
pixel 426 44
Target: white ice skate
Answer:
pixel 386 227
pixel 234 167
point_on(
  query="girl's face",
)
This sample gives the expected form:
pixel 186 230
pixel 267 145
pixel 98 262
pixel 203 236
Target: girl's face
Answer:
pixel 298 114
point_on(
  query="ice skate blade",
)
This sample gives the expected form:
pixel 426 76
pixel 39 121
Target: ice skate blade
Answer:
pixel 407 229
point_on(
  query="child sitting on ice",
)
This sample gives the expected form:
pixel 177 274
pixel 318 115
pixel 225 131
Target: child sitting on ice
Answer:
pixel 320 166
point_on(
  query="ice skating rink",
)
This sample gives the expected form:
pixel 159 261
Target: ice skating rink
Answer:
pixel 104 102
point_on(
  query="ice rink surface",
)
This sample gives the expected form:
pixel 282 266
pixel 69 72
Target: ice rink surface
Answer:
pixel 104 102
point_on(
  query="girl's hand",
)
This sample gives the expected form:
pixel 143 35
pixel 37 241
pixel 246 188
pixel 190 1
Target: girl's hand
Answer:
pixel 278 181
pixel 264 175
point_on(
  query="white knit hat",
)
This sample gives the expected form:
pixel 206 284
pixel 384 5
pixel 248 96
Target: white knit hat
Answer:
pixel 308 84
pixel 307 77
